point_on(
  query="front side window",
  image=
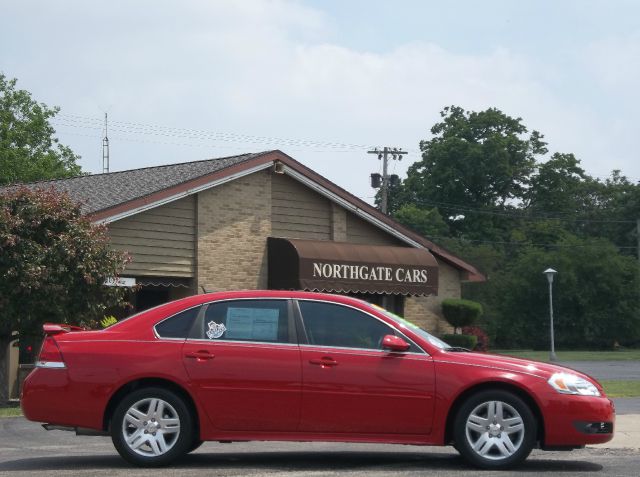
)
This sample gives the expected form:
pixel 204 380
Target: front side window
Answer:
pixel 328 324
pixel 246 320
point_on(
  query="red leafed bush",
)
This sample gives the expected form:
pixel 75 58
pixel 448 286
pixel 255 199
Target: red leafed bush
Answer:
pixel 483 338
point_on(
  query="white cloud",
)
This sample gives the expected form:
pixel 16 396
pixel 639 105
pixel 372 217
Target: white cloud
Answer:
pixel 268 68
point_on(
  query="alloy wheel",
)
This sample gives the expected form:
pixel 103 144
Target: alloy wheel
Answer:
pixel 494 430
pixel 151 427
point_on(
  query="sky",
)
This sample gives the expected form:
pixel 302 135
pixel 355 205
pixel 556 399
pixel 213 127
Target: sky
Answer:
pixel 325 81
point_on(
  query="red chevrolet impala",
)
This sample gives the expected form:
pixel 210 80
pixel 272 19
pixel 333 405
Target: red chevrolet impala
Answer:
pixel 298 366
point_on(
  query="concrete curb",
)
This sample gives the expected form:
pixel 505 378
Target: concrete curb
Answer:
pixel 626 433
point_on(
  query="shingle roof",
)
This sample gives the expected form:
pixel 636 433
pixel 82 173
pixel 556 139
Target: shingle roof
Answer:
pixel 101 191
pixel 107 195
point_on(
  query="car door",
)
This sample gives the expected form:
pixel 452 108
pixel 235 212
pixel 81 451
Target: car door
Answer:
pixel 244 361
pixel 351 385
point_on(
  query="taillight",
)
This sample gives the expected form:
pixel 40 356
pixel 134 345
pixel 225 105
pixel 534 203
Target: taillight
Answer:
pixel 50 355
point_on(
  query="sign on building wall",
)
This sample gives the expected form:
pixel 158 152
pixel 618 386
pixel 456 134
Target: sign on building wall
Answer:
pixel 120 282
pixel 345 267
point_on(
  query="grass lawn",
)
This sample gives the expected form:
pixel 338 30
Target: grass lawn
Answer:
pixel 619 389
pixel 10 411
pixel 622 355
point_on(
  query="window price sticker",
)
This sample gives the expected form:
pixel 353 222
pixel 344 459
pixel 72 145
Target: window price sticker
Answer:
pixel 260 324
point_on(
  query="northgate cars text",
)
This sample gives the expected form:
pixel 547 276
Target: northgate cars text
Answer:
pixel 371 273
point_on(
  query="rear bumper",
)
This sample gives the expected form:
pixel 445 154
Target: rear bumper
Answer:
pixel 578 420
pixel 48 395
pixel 44 393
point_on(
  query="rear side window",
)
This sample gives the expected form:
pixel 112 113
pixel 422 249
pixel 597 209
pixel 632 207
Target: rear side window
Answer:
pixel 247 320
pixel 178 326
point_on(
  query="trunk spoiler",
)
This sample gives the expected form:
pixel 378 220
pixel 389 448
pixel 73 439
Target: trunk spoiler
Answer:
pixel 51 329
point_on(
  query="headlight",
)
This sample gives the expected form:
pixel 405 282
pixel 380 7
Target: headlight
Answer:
pixel 566 383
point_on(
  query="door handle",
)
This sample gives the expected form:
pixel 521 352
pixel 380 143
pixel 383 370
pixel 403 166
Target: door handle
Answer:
pixel 200 355
pixel 324 362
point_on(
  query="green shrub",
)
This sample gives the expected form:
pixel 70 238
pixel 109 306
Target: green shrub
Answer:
pixel 463 341
pixel 459 312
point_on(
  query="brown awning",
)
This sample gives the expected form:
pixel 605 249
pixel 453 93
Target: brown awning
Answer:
pixel 296 264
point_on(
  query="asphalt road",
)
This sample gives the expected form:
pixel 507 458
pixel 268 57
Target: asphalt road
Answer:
pixel 624 370
pixel 27 449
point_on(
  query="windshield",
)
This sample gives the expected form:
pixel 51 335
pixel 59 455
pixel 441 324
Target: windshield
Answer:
pixel 402 323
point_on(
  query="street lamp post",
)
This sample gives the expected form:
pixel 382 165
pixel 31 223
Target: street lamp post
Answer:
pixel 550 273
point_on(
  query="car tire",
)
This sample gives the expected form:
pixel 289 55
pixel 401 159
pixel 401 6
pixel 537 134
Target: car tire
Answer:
pixel 494 429
pixel 195 445
pixel 152 427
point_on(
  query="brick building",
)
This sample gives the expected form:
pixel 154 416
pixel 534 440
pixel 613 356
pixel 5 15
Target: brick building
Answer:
pixel 260 221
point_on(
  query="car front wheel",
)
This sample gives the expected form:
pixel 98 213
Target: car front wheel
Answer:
pixel 152 427
pixel 494 430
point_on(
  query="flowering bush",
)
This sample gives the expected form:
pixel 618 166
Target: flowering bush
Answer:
pixel 483 338
pixel 53 265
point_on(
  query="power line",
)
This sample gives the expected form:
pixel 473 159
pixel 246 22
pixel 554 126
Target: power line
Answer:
pixel 76 120
pixel 458 239
pixel 151 129
pixel 474 210
pixel 201 145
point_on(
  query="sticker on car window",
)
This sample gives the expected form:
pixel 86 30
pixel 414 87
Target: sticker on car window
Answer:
pixel 260 324
pixel 216 330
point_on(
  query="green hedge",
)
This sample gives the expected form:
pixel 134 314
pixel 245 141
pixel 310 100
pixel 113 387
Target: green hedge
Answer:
pixel 463 341
pixel 459 312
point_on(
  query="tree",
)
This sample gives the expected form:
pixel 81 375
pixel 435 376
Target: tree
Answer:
pixel 480 160
pixel 427 222
pixel 28 149
pixel 53 265
pixel 561 187
pixel 595 296
pixel 513 212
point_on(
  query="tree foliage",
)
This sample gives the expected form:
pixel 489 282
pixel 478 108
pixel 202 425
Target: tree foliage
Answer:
pixel 459 312
pixel 427 222
pixel 488 190
pixel 53 265
pixel 29 151
pixel 595 297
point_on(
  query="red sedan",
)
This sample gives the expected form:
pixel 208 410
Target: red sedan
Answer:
pixel 297 366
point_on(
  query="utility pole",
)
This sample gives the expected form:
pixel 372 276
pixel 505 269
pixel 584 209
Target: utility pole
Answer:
pixel 396 154
pixel 638 236
pixel 105 148
pixel 638 239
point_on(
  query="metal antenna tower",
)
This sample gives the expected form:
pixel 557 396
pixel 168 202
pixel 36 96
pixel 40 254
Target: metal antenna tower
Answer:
pixel 105 147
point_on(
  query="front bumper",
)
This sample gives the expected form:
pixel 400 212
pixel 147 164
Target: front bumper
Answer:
pixel 578 420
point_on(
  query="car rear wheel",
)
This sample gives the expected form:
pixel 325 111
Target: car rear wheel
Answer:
pixel 494 430
pixel 152 427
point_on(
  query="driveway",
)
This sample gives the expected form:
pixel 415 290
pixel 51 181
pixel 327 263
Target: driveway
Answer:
pixel 27 450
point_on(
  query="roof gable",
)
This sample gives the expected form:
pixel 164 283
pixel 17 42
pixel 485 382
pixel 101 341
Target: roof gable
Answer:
pixel 113 196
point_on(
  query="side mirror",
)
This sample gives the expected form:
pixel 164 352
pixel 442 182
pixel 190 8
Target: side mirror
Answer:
pixel 394 343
